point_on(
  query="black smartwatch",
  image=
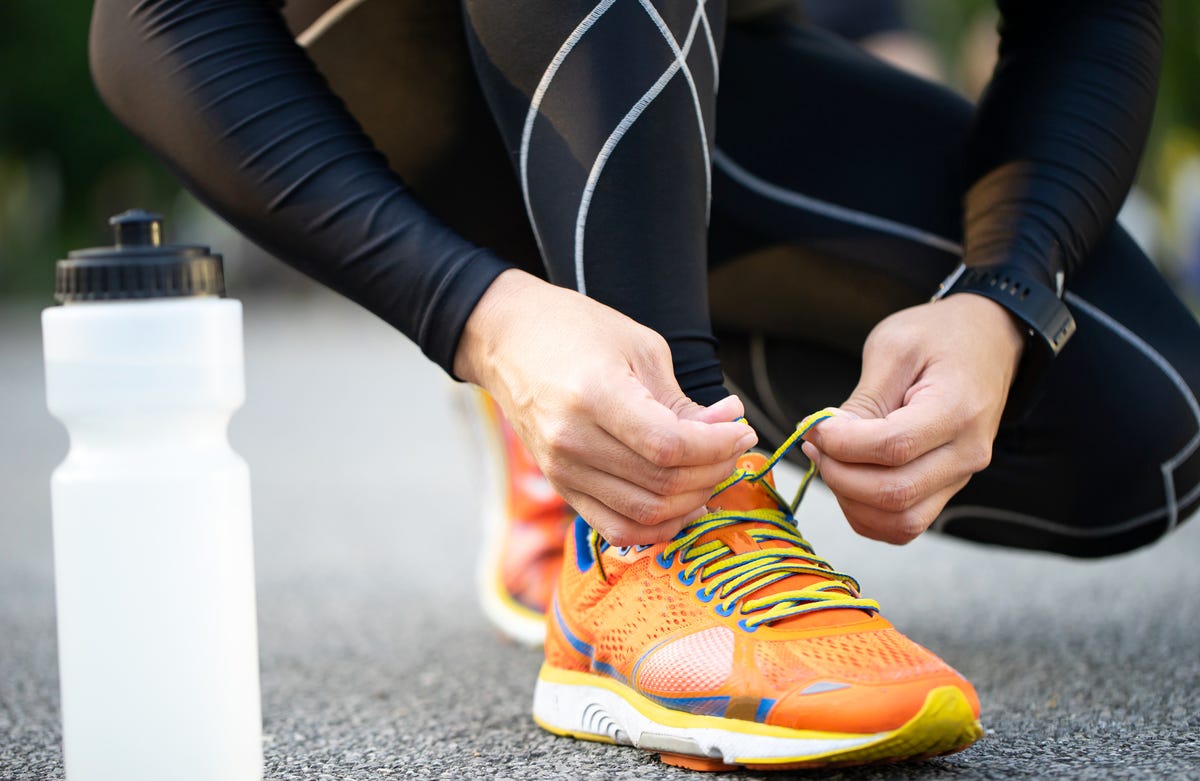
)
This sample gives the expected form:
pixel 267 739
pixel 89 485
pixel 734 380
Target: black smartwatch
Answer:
pixel 1044 314
pixel 1048 322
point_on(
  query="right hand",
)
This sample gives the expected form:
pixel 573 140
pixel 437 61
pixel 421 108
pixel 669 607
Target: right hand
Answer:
pixel 592 395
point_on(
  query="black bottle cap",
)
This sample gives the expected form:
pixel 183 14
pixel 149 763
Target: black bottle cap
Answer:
pixel 138 266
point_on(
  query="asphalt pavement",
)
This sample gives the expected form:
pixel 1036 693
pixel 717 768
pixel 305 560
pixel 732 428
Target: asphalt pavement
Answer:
pixel 377 663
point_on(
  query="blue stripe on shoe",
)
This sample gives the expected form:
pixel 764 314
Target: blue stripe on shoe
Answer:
pixel 700 706
pixel 575 642
pixel 764 707
pixel 604 668
pixel 583 548
pixel 607 669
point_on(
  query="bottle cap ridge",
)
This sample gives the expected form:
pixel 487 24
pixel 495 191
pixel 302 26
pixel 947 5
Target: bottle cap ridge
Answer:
pixel 138 266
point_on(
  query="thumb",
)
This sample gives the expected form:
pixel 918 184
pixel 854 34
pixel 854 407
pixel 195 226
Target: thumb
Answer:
pixel 728 408
pixel 655 370
pixel 886 378
pixel 880 391
pixel 865 402
pixel 659 379
pixel 652 365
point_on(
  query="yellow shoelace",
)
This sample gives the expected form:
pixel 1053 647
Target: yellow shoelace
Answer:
pixel 732 578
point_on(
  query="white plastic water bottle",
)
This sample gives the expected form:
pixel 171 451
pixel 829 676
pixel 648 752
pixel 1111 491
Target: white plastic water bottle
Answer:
pixel 154 570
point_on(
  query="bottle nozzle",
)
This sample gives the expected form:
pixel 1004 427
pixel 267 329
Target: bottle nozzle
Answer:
pixel 137 228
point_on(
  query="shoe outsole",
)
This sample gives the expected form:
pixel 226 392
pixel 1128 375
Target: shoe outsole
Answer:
pixel 592 707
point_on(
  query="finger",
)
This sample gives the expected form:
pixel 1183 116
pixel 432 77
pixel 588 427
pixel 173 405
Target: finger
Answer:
pixel 629 500
pixel 619 530
pixel 625 409
pixel 886 377
pixel 898 528
pixel 605 453
pixel 569 450
pixel 904 435
pixel 895 489
pixel 728 408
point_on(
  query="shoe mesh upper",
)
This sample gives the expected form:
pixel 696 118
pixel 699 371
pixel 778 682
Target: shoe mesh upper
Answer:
pixel 881 656
pixel 696 663
pixel 625 624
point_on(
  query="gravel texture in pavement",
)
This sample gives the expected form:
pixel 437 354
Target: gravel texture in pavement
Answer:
pixel 377 663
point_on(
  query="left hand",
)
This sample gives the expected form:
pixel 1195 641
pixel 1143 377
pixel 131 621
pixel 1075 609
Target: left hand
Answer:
pixel 922 420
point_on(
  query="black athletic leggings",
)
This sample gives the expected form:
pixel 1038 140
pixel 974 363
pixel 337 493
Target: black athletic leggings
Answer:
pixel 837 196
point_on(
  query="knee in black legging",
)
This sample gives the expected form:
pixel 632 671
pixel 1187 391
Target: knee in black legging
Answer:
pixel 1109 459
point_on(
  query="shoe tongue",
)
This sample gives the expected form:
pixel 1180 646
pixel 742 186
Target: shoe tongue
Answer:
pixel 746 495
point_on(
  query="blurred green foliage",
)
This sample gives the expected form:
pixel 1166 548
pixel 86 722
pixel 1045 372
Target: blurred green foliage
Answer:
pixel 66 165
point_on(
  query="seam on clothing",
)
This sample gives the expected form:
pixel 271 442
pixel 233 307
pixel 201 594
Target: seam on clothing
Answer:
pixel 1169 466
pixel 536 103
pixel 1033 522
pixel 799 201
pixel 1170 511
pixel 712 47
pixel 610 144
pixel 669 37
pixel 326 20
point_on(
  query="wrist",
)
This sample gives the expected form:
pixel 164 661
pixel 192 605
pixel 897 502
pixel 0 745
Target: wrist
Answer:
pixel 475 354
pixel 1043 316
pixel 1005 335
pixel 1045 322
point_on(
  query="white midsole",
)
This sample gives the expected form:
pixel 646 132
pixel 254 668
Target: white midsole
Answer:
pixel 596 711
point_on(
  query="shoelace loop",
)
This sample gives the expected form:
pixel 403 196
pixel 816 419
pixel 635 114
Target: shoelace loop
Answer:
pixel 732 578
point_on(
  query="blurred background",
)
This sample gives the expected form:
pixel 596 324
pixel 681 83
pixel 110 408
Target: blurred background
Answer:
pixel 66 165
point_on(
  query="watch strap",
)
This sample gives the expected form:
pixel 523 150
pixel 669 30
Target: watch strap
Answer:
pixel 1030 301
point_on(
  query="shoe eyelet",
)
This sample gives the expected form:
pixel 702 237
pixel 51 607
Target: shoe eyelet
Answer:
pixel 705 595
pixel 746 627
pixel 664 561
pixel 686 580
pixel 723 610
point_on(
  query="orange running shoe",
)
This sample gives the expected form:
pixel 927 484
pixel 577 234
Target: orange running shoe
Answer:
pixel 524 523
pixel 736 645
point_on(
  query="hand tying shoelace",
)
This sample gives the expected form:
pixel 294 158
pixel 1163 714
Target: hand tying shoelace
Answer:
pixel 733 577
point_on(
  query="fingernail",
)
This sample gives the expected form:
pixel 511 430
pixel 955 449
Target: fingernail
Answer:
pixel 726 403
pixel 747 440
